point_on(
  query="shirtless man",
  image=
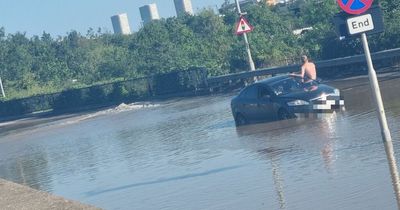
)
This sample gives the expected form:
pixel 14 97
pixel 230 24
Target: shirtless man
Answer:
pixel 308 70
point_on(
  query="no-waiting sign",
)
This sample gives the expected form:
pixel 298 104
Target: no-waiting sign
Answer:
pixel 243 26
pixel 355 7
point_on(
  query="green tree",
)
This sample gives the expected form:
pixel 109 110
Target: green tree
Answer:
pixel 42 64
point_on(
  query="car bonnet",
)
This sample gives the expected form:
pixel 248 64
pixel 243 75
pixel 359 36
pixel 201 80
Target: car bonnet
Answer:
pixel 308 94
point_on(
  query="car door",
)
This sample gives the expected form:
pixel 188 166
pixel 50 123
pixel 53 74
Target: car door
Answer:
pixel 248 103
pixel 265 106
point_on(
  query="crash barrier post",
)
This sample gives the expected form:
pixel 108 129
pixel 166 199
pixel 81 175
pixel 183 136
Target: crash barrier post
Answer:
pixel 2 88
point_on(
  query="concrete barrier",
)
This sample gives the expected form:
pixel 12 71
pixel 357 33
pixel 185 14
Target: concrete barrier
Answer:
pixel 18 197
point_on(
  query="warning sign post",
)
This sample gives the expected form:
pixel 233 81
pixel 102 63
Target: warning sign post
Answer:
pixel 242 28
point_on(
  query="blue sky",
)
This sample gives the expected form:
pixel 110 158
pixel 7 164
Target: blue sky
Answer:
pixel 58 17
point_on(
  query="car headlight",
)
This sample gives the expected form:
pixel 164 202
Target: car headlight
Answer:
pixel 336 92
pixel 298 103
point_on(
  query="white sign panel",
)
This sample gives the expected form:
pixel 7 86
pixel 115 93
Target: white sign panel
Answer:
pixel 360 24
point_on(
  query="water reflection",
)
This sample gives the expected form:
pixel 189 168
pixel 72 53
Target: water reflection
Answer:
pixel 273 155
pixel 31 170
pixel 322 135
pixel 329 137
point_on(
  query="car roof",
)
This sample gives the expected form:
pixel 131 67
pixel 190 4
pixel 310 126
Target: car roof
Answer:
pixel 274 79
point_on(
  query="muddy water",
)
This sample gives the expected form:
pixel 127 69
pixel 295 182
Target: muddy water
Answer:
pixel 187 154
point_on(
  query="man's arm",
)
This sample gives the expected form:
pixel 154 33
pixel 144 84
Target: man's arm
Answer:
pixel 301 73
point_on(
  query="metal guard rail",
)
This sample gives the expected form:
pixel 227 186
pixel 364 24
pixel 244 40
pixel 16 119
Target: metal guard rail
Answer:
pixel 295 68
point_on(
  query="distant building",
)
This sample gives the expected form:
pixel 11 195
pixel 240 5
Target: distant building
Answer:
pixel 232 6
pixel 120 24
pixel 275 2
pixel 291 5
pixel 148 13
pixel 183 7
pixel 301 31
pixel 271 2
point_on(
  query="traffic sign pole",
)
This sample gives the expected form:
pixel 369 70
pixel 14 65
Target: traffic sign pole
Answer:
pixel 249 57
pixel 251 62
pixel 362 24
pixel 387 139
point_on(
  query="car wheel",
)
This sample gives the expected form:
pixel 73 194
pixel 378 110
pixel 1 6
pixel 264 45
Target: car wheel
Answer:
pixel 283 114
pixel 240 120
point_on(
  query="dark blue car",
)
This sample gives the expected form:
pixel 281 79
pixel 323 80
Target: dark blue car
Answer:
pixel 283 97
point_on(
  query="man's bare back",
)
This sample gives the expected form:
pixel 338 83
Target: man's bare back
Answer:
pixel 308 70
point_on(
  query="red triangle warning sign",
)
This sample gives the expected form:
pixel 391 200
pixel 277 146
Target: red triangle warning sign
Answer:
pixel 243 26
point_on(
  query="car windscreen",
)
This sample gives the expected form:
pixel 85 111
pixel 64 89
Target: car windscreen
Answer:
pixel 290 85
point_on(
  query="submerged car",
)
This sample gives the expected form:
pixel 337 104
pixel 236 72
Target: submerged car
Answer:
pixel 283 97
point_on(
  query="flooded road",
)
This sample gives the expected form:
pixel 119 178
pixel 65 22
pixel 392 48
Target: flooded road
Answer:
pixel 187 154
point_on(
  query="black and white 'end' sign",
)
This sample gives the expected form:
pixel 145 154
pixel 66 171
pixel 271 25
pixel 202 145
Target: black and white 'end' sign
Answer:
pixel 360 24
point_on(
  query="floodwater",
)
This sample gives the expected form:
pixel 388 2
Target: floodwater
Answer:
pixel 187 154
